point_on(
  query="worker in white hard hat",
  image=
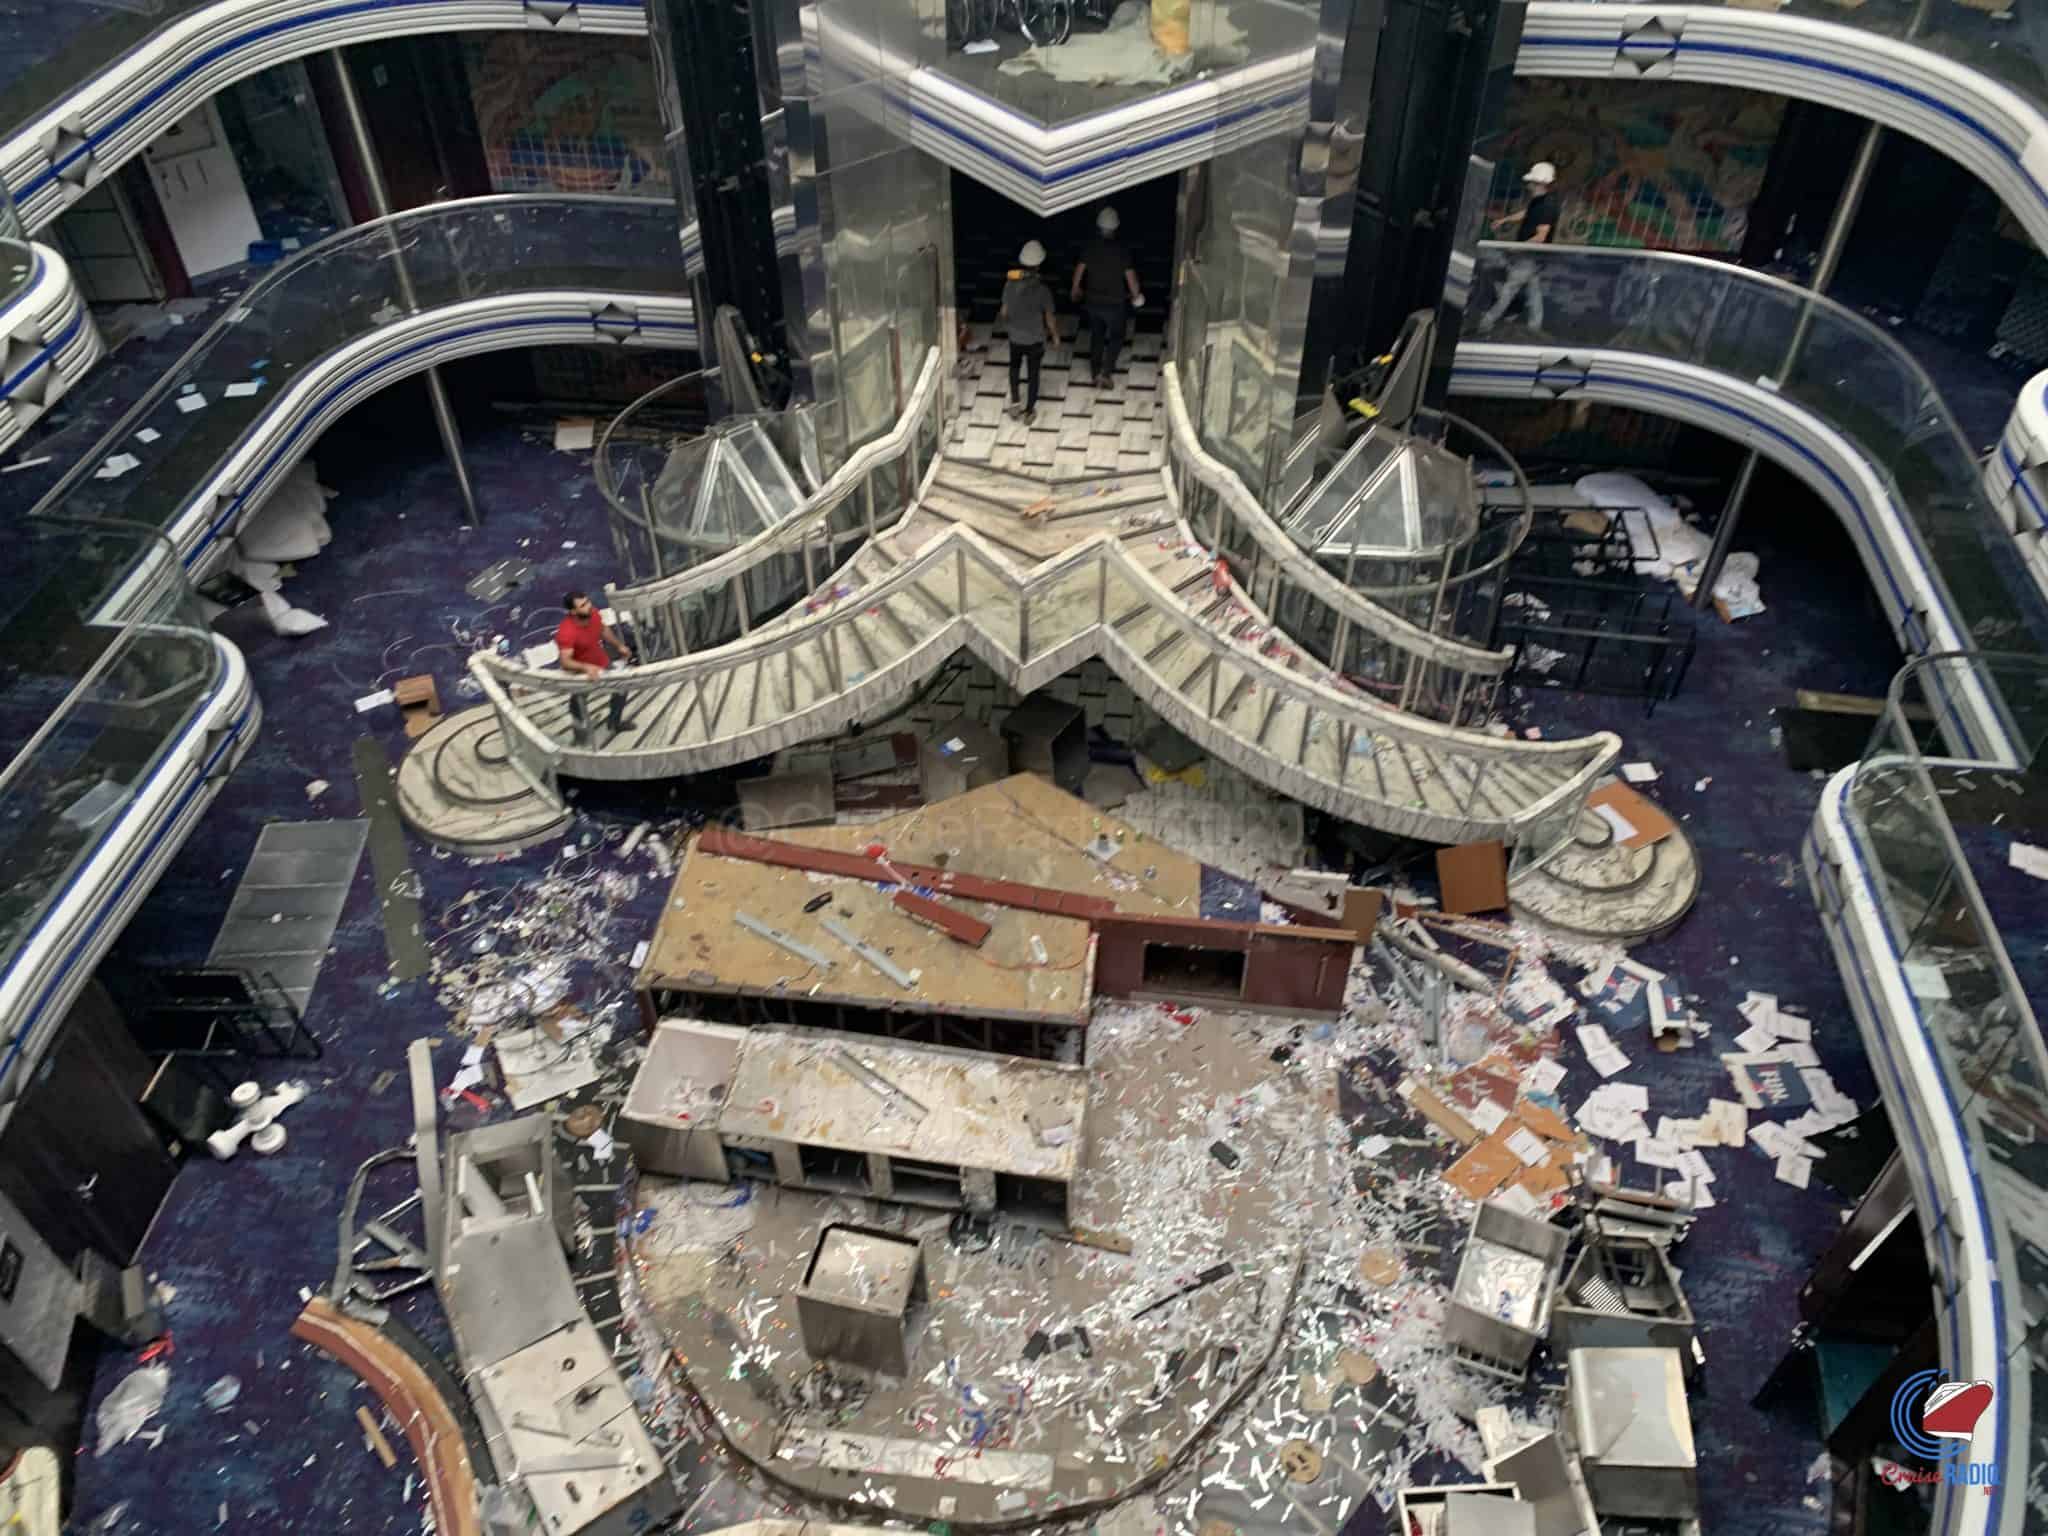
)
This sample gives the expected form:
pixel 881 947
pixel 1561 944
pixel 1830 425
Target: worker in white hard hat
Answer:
pixel 1534 224
pixel 1031 321
pixel 1106 276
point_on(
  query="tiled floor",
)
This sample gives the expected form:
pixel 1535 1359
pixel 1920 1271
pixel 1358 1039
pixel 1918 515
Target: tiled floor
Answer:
pixel 1078 429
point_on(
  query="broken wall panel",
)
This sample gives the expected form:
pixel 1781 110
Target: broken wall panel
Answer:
pixel 1300 970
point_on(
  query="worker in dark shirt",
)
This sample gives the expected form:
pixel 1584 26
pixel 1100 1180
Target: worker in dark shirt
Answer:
pixel 1030 320
pixel 584 642
pixel 1105 276
pixel 1534 225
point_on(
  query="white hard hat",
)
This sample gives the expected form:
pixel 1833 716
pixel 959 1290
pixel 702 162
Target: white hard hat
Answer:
pixel 1542 172
pixel 1107 221
pixel 1033 254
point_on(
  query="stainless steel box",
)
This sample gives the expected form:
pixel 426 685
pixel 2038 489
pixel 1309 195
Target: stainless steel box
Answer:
pixel 670 1119
pixel 1507 1279
pixel 1621 1293
pixel 860 1298
pixel 1634 1431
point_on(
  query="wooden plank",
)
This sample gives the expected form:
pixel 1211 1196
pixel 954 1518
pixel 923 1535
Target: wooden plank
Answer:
pixel 971 931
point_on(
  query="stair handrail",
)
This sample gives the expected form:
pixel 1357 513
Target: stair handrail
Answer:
pixel 499 676
pixel 791 532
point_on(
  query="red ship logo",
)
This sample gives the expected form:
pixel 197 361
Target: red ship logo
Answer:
pixel 1953 1408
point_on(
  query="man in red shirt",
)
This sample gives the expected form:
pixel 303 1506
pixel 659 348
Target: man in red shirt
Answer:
pixel 585 640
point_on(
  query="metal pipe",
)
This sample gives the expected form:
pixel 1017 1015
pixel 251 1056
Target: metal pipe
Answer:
pixel 380 199
pixel 1824 267
pixel 1724 533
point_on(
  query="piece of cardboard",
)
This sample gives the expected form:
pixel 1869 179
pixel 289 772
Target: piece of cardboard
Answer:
pixel 1641 812
pixel 1362 911
pixel 1437 1112
pixel 1486 1167
pixel 1473 877
pixel 1544 1122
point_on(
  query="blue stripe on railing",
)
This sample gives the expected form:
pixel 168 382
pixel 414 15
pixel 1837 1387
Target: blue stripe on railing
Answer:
pixel 33 1016
pixel 220 51
pixel 1884 83
pixel 682 328
pixel 49 353
pixel 1864 866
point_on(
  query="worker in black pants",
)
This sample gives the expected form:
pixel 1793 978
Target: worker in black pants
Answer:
pixel 1107 277
pixel 1031 321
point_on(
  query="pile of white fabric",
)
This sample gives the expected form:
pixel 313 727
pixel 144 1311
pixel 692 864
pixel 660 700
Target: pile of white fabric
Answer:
pixel 289 527
pixel 1665 545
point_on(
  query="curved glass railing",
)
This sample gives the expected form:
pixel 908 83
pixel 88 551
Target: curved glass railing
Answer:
pixel 713 600
pixel 1844 370
pixel 1396 661
pixel 88 707
pixel 73 40
pixel 1933 836
pixel 632 459
pixel 17 271
pixel 336 291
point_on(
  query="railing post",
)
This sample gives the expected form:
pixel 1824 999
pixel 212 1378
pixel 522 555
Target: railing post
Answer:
pixel 1214 668
pixel 1472 794
pixel 810 572
pixel 739 598
pixel 1101 591
pixel 960 571
pixel 791 654
pixel 867 501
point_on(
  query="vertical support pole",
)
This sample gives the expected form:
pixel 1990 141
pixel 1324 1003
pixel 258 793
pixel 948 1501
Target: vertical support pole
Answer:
pixel 739 600
pixel 1823 273
pixel 1102 591
pixel 380 197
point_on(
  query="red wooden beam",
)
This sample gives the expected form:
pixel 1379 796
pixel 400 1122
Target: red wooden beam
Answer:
pixel 727 843
pixel 971 931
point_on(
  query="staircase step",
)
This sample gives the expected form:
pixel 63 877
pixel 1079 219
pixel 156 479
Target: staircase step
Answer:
pixel 1070 497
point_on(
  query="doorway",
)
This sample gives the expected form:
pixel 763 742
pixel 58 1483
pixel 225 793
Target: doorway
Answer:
pixel 1070 427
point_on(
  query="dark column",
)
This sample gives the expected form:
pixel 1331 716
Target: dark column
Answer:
pixel 712 102
pixel 1438 71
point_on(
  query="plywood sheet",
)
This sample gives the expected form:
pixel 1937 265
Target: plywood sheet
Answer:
pixel 1639 811
pixel 1020 828
pixel 1473 877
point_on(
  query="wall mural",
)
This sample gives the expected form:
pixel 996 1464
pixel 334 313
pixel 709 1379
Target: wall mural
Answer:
pixel 1674 168
pixel 567 114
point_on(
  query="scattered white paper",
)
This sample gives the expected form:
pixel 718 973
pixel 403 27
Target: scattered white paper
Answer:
pixel 370 701
pixel 1795 1170
pixel 291 242
pixel 639 955
pixel 1639 773
pixel 1799 1053
pixel 148 435
pixel 242 390
pixel 1728 1122
pixel 465 1077
pixel 1374 1146
pixel 1790 1026
pixel 2029 860
pixel 1486 1116
pixel 1658 1154
pixel 192 402
pixel 546 654
pixel 601 1144
pixel 568 543
pixel 1543 1076
pixel 573 432
pixel 316 788
pixel 1699 1195
pixel 116 467
pixel 1755 1040
pixel 1528 1146
pixel 981 45
pixel 1520 1201
pixel 1624 829
pixel 472 1056
pixel 1928 981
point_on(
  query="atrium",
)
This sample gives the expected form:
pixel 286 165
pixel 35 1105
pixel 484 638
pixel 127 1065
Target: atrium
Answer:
pixel 1217 767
